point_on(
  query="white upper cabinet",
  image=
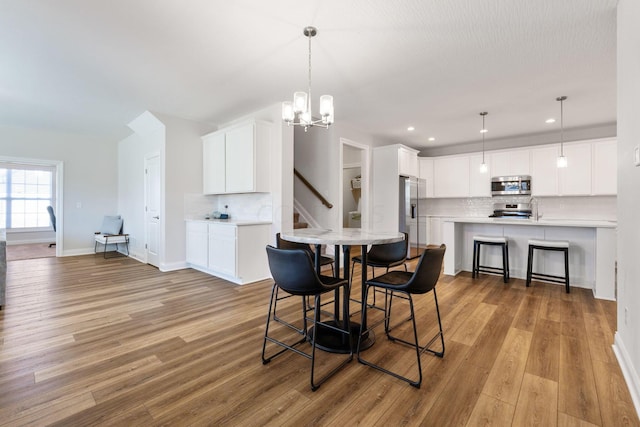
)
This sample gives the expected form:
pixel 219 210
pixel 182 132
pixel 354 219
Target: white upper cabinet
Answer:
pixel 479 182
pixel 512 162
pixel 575 179
pixel 451 176
pixel 425 166
pixel 214 163
pixel 408 162
pixel 544 172
pixel 236 159
pixel 604 180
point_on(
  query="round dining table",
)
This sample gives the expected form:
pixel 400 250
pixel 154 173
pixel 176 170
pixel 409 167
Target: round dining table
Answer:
pixel 345 237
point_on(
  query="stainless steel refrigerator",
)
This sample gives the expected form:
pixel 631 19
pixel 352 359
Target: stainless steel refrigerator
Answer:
pixel 410 191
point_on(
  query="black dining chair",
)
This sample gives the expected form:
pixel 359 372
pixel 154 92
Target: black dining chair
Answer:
pixel 422 281
pixel 285 244
pixel 324 260
pixel 385 255
pixel 293 272
pixel 52 218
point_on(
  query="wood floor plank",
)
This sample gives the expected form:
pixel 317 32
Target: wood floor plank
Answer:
pixel 506 374
pixel 565 420
pixel 88 341
pixel 468 332
pixel 544 353
pixel 578 396
pixel 537 403
pixel 616 408
pixel 490 411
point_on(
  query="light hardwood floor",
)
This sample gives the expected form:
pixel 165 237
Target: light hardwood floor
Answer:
pixel 86 341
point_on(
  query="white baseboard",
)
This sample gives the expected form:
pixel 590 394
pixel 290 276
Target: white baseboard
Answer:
pixel 628 371
pixel 172 266
pixel 76 252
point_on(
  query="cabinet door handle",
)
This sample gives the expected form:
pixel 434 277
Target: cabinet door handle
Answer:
pixel 156 217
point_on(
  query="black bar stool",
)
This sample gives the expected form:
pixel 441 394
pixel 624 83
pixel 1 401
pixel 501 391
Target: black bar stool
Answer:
pixel 549 245
pixel 501 241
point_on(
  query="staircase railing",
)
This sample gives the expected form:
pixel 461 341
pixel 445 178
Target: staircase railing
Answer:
pixel 312 189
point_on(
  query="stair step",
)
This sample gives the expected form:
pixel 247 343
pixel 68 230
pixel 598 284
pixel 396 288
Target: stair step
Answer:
pixel 300 225
pixel 296 217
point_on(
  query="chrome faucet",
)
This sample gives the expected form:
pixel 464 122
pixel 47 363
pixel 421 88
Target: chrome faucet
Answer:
pixel 534 207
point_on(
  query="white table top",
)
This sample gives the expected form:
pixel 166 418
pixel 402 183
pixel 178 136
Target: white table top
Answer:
pixel 344 236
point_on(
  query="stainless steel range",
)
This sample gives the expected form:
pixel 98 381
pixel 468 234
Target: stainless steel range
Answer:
pixel 512 210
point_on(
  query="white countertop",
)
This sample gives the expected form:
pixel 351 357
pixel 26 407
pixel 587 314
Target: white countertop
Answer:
pixel 230 221
pixel 588 223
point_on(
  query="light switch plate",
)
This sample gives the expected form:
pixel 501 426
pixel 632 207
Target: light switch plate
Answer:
pixel 636 155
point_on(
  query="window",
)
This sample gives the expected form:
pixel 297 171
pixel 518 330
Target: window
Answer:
pixel 25 193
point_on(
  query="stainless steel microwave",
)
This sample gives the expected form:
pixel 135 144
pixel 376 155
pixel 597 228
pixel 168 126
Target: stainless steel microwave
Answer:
pixel 511 185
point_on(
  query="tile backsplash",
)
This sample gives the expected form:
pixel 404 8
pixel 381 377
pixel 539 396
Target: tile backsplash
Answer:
pixel 574 207
pixel 249 206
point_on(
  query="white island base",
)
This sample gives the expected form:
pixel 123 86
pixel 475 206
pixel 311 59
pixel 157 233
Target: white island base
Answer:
pixel 592 249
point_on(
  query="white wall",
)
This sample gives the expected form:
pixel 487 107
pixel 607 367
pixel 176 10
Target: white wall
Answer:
pixel 627 341
pixel 90 177
pixel 317 158
pixel 131 152
pixel 182 174
pixel 180 147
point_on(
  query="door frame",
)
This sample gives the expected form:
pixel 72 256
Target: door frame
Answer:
pixel 365 192
pixel 59 177
pixel 147 157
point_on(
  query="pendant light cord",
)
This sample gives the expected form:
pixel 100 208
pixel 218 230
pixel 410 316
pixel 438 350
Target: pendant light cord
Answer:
pixel 309 96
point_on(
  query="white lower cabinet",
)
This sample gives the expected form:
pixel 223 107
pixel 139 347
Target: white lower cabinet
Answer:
pixel 197 243
pixel 223 249
pixel 229 251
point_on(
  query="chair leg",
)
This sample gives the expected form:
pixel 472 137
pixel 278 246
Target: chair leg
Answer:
pixel 475 262
pixel 506 245
pixel 529 265
pixel 505 264
pixel 265 359
pixel 566 269
pixel 415 344
pixel 303 330
pixel 316 322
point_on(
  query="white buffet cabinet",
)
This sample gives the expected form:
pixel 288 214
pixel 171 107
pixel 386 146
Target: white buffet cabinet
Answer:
pixel 592 249
pixel 231 250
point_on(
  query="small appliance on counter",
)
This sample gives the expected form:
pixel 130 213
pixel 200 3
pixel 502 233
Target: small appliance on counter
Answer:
pixel 511 210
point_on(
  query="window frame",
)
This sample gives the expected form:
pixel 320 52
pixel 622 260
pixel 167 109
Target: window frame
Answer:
pixel 8 199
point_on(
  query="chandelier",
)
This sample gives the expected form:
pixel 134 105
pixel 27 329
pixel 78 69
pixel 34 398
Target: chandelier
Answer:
pixel 298 112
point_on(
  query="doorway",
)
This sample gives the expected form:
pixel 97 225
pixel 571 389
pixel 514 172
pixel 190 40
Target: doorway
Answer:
pixel 152 208
pixel 37 242
pixel 354 177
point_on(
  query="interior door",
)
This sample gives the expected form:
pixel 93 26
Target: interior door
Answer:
pixel 152 208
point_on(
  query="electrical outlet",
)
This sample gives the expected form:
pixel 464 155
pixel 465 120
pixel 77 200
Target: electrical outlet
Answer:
pixel 626 316
pixel 636 155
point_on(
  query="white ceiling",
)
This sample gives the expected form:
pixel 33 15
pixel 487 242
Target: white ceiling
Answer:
pixel 93 66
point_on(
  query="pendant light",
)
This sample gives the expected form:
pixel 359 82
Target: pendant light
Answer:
pixel 300 108
pixel 483 165
pixel 562 160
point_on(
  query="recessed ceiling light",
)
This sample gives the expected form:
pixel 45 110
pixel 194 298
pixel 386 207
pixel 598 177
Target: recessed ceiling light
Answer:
pixel 551 120
pixel 431 138
pixel 483 131
pixel 411 128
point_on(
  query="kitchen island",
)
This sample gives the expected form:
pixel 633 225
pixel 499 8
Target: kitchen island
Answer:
pixel 592 248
